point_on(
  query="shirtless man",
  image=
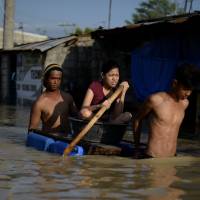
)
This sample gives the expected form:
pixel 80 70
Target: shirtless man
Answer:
pixel 53 106
pixel 167 110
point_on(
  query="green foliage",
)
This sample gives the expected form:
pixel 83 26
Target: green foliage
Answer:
pixel 151 9
pixel 80 31
pixel 88 30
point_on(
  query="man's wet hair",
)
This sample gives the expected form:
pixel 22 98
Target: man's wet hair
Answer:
pixel 188 75
pixel 109 65
pixel 48 69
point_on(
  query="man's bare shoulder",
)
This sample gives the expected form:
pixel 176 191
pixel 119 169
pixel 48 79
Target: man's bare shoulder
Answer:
pixel 39 101
pixel 158 98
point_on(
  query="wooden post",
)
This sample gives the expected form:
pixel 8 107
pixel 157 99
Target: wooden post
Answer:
pixel 8 30
pixel 8 43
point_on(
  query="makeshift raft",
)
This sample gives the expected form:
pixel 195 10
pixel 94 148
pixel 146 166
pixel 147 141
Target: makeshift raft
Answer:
pixel 102 139
pixel 101 132
pixel 51 143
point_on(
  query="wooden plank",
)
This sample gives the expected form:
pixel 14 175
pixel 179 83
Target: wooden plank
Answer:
pixel 103 149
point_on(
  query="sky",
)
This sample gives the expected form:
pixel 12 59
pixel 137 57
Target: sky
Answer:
pixel 57 18
pixel 50 15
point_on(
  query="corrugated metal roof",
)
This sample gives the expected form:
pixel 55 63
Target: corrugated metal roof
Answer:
pixel 44 45
pixel 176 19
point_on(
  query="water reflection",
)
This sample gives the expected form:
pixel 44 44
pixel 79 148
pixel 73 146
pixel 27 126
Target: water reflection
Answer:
pixel 14 115
pixel 168 178
pixel 161 183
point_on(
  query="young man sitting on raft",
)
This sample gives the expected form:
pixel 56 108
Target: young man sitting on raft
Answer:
pixel 99 91
pixel 53 106
pixel 167 110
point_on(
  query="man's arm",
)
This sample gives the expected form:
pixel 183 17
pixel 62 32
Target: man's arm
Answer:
pixel 144 110
pixel 35 116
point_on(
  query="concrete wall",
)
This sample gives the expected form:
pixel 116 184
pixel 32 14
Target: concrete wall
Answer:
pixel 23 37
pixel 81 63
pixel 28 77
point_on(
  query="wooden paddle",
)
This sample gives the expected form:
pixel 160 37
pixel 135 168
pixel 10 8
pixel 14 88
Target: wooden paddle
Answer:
pixel 69 148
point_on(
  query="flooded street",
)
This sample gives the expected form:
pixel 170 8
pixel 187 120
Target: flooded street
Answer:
pixel 26 173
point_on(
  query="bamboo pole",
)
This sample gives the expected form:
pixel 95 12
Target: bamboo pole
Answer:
pixel 70 147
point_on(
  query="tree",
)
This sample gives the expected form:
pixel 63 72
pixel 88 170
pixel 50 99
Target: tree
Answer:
pixel 80 31
pixel 88 30
pixel 154 9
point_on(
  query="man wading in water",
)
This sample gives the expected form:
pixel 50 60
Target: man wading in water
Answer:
pixel 53 106
pixel 167 110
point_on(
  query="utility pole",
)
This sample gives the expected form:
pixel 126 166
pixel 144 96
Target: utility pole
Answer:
pixel 109 13
pixel 8 33
pixel 191 2
pixel 65 25
pixel 8 25
pixel 21 27
pixel 185 7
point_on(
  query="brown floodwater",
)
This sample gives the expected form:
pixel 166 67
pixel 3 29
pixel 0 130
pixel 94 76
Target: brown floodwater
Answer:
pixel 26 173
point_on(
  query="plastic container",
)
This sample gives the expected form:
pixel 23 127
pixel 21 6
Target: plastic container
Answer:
pixel 44 143
pixel 59 147
pixel 39 142
pixel 101 132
